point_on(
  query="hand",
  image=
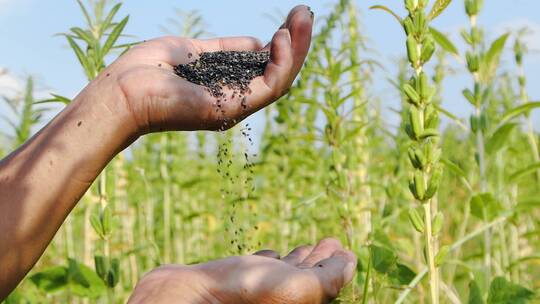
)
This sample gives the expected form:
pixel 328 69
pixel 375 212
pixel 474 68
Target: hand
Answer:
pixel 306 275
pixel 158 100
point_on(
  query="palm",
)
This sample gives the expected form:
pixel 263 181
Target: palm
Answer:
pixel 160 100
pixel 309 274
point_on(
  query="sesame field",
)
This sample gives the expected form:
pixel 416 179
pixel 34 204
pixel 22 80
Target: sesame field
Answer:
pixel 435 185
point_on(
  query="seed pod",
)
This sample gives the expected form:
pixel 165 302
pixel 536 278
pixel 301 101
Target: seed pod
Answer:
pixel 466 37
pixel 474 123
pixel 476 35
pixel 469 96
pixel 518 52
pixel 422 4
pixel 411 93
pixel 414 120
pixel 412 157
pixel 420 158
pixel 416 220
pixel 106 221
pixel 419 185
pixel 434 182
pixel 101 266
pixel 410 5
pixel 484 121
pixel 419 20
pixel 428 48
pixel 428 133
pixel 409 131
pixel 412 50
pixel 522 81
pixel 431 118
pixel 437 223
pixel 408 26
pixel 440 258
pixel 473 63
pixel 470 8
pixel 433 153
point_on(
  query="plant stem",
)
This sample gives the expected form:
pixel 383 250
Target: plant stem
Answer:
pixel 433 271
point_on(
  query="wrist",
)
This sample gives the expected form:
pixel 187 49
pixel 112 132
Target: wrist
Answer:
pixel 103 105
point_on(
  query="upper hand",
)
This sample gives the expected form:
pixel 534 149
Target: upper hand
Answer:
pixel 157 99
pixel 307 275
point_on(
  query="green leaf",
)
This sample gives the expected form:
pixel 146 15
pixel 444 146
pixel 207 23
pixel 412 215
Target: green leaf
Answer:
pixel 96 224
pixel 440 258
pixel 524 171
pixel 83 60
pixel 444 42
pixel 386 9
pixel 107 21
pixel 496 141
pixel 383 259
pixel 51 279
pixel 490 61
pixel 521 109
pixel 84 35
pixel 438 7
pixel 402 275
pixel 484 206
pixel 84 282
pixel 453 167
pixel 113 36
pixel 502 291
pixel 56 98
pixel 85 13
pixel 475 294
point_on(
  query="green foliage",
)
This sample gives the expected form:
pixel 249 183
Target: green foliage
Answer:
pixel 502 291
pixel 328 162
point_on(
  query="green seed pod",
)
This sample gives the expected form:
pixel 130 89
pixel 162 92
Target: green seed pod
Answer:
pixel 469 96
pixel 437 223
pixel 431 118
pixel 420 25
pixel 419 185
pixel 476 35
pixel 408 26
pixel 440 258
pixel 518 52
pixel 466 37
pixel 434 182
pixel 412 50
pixel 420 158
pixel 101 266
pixel 470 8
pixel 414 120
pixel 410 5
pixel 433 154
pixel 411 93
pixel 428 48
pixel 428 133
pixel 422 4
pixel 106 221
pixel 409 131
pixel 412 157
pixel 522 81
pixel 473 63
pixel 484 122
pixel 416 220
pixel 474 123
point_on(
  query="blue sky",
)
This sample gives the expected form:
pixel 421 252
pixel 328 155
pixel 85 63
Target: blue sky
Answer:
pixel 29 47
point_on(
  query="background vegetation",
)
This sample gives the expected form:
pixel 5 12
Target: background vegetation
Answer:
pixel 434 214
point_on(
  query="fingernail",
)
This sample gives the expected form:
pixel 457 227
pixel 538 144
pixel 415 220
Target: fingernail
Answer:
pixel 311 12
pixel 348 272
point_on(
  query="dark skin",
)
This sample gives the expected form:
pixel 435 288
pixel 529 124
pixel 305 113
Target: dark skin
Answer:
pixel 43 180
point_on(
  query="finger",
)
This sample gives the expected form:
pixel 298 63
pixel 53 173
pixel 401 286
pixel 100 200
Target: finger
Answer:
pixel 324 249
pixel 298 254
pixel 268 253
pixel 277 72
pixel 244 43
pixel 299 22
pixel 336 271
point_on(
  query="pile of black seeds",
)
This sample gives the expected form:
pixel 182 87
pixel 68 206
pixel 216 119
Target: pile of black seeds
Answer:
pixel 231 69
